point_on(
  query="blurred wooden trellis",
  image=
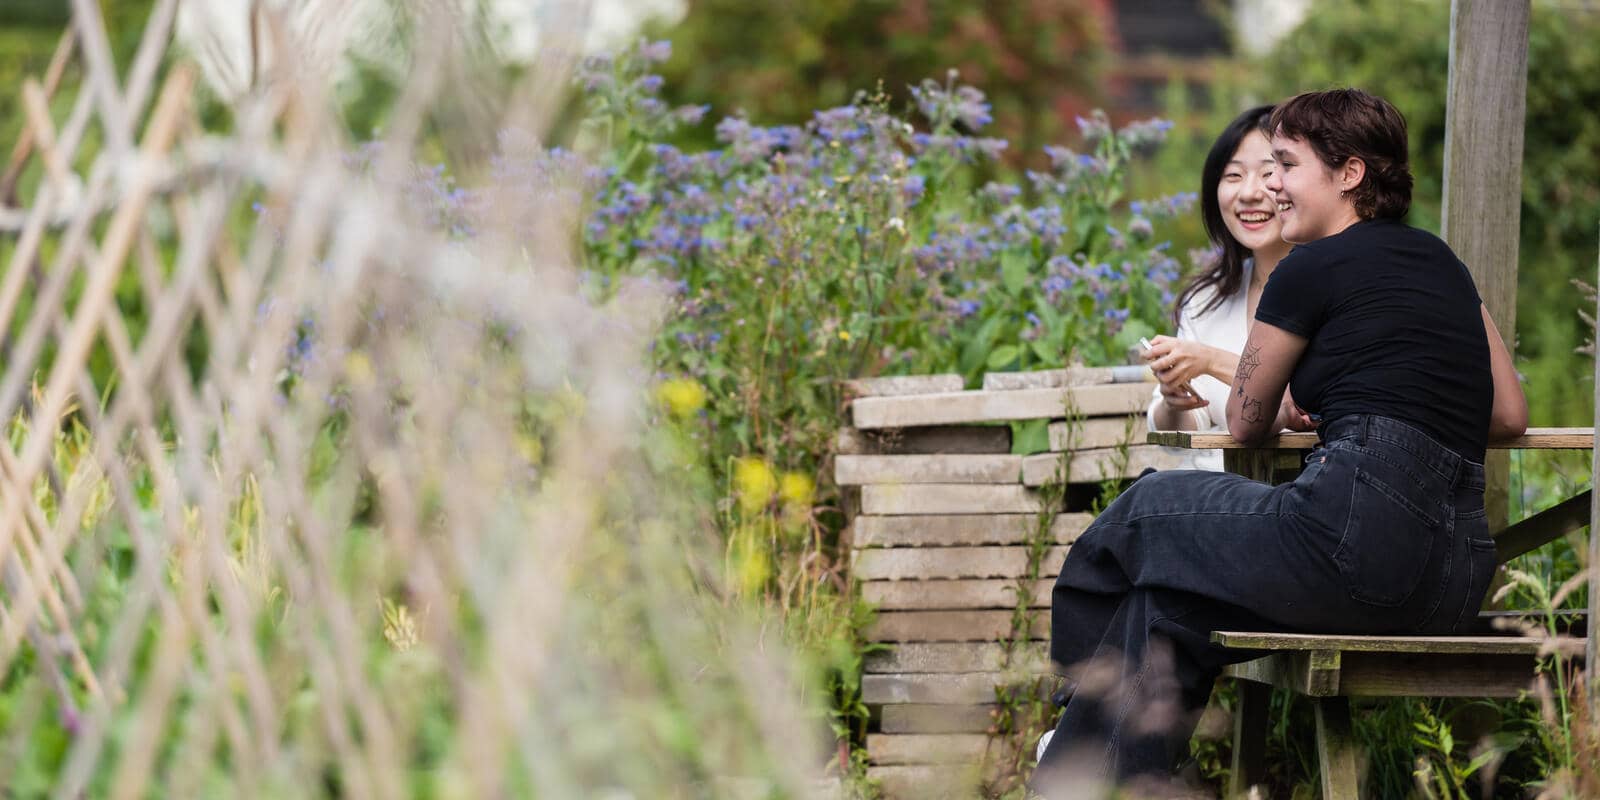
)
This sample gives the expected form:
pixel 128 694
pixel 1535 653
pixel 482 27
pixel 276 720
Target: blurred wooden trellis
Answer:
pixel 114 198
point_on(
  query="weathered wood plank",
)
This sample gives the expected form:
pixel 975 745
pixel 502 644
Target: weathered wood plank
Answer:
pixel 936 595
pixel 936 718
pixel 1364 674
pixel 945 688
pixel 929 748
pixel 949 498
pixel 1249 738
pixel 1092 466
pixel 998 406
pixel 928 563
pixel 980 439
pixel 903 385
pixel 932 781
pixel 860 470
pixel 1337 751
pixel 1071 376
pixel 951 596
pixel 949 626
pixel 1544 527
pixel 961 529
pixel 1533 439
pixel 1379 644
pixel 1591 650
pixel 1483 137
pixel 955 657
pixel 931 687
pixel 1097 432
pixel 1437 675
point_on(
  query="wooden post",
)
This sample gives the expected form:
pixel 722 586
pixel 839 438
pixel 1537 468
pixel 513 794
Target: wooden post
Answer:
pixel 1591 657
pixel 1483 169
pixel 1249 738
pixel 1337 750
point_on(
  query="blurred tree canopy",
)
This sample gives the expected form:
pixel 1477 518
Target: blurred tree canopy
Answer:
pixel 1400 50
pixel 1039 61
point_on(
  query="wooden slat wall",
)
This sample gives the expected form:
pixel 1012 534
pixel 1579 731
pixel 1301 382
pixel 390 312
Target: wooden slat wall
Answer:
pixel 940 548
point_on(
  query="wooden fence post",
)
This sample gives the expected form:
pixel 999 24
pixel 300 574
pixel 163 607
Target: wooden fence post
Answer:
pixel 1483 169
pixel 1589 645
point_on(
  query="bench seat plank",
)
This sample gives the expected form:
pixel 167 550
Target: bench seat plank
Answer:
pixel 1392 674
pixel 1249 640
pixel 1534 439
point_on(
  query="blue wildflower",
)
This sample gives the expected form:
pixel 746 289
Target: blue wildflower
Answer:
pixel 912 188
pixel 654 52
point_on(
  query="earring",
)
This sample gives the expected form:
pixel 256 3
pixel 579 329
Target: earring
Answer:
pixel 1344 192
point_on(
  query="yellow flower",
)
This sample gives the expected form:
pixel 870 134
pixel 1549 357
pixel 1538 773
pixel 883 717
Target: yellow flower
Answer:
pixel 753 569
pixel 682 397
pixel 796 490
pixel 844 335
pixel 754 481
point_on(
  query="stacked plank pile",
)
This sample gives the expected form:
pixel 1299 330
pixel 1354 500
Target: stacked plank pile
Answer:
pixel 939 531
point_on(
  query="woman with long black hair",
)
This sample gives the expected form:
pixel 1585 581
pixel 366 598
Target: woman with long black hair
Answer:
pixel 1213 312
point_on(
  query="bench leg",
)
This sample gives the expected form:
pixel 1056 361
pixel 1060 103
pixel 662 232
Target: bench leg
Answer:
pixel 1249 737
pixel 1336 750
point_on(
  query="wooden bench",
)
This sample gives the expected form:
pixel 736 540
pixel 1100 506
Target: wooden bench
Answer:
pixel 1333 669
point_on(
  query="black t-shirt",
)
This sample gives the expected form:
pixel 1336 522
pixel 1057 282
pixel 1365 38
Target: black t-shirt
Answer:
pixel 1393 328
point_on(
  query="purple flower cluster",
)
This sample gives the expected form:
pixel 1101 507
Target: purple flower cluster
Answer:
pixel 952 105
pixel 1146 134
pixel 1095 128
pixel 852 210
pixel 1169 207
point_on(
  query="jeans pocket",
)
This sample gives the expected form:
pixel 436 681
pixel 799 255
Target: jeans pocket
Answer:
pixel 1482 561
pixel 1388 539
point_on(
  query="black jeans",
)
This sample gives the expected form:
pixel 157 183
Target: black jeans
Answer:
pixel 1382 533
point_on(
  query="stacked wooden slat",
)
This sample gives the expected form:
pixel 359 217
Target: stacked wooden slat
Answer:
pixel 940 533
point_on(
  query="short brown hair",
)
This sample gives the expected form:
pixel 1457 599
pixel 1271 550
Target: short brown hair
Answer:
pixel 1341 124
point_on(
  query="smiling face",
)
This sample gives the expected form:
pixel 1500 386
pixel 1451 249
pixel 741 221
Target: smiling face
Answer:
pixel 1308 192
pixel 1248 209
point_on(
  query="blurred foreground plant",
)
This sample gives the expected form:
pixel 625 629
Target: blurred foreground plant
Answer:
pixel 410 526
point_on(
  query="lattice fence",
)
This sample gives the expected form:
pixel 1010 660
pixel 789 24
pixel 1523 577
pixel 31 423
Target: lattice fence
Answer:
pixel 306 496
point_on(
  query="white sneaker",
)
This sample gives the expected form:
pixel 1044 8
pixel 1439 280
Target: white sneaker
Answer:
pixel 1044 743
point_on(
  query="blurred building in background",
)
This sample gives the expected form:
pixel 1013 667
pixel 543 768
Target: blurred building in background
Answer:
pixel 1154 42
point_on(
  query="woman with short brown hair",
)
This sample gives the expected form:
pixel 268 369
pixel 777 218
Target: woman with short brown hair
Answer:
pixel 1377 330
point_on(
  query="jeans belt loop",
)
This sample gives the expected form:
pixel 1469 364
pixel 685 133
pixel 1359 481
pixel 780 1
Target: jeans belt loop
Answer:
pixel 1366 421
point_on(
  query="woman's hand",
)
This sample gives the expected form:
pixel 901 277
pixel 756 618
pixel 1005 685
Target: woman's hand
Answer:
pixel 1179 398
pixel 1176 361
pixel 1292 417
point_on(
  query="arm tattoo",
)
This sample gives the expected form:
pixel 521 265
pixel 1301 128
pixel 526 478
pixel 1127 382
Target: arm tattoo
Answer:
pixel 1247 367
pixel 1250 411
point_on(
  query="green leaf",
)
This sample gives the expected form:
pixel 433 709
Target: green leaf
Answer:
pixel 1030 436
pixel 1014 272
pixel 976 351
pixel 1002 357
pixel 1047 353
pixel 1478 763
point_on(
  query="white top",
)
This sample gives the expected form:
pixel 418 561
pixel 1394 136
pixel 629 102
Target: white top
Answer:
pixel 1225 327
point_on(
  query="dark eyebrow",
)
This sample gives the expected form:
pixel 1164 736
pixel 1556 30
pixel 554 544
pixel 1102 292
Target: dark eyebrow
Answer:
pixel 1277 155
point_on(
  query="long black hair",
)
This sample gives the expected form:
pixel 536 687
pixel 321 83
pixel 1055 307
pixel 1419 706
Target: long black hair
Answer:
pixel 1225 276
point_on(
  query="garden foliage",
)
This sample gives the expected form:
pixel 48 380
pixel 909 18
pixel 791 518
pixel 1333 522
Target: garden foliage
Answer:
pixel 1040 61
pixel 859 243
